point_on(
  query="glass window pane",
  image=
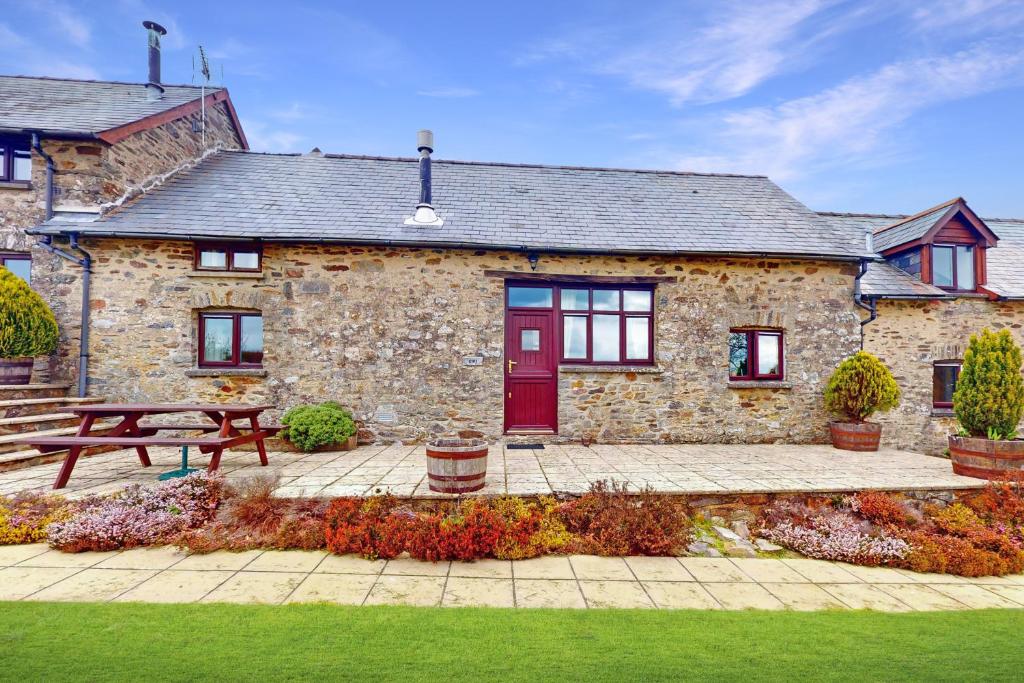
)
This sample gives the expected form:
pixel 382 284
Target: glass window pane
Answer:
pixel 212 258
pixel 637 338
pixel 575 299
pixel 217 339
pixel 246 260
pixel 22 267
pixel 574 336
pixel 606 337
pixel 944 383
pixel 965 267
pixel 252 339
pixel 529 340
pixel 909 262
pixel 767 354
pixel 22 166
pixel 942 266
pixel 530 297
pixel 738 354
pixel 606 300
pixel 633 300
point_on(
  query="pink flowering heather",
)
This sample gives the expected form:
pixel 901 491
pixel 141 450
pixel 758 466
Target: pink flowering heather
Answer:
pixel 139 515
pixel 837 535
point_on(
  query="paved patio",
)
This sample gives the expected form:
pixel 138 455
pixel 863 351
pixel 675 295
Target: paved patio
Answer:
pixel 690 469
pixel 33 572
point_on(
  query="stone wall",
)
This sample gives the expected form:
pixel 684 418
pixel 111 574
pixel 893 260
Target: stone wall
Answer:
pixel 384 331
pixel 909 336
pixel 91 173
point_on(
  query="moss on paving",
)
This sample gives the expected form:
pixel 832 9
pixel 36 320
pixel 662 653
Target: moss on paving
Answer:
pixel 107 642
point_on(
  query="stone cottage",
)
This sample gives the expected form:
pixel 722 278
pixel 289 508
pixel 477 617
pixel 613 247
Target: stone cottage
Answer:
pixel 521 301
pixel 75 148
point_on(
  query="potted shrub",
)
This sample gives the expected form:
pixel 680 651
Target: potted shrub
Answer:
pixel 27 329
pixel 988 404
pixel 860 387
pixel 322 427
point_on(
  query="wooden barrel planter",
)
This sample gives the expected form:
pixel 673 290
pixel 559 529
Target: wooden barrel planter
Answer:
pixel 15 371
pixel 856 436
pixel 987 459
pixel 456 465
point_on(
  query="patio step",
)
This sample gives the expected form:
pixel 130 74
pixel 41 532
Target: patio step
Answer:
pixel 34 423
pixel 19 407
pixel 22 391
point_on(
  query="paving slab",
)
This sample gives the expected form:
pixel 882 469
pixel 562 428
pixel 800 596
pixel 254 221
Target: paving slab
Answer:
pixel 768 571
pixel 13 554
pixel 865 596
pixel 176 586
pixel 340 588
pixel 714 569
pixel 419 591
pixel 286 561
pixel 486 568
pixel 921 597
pixel 593 568
pixel 349 564
pixel 94 585
pixel 658 569
pixel 803 596
pixel 822 571
pixel 547 567
pixel 975 597
pixel 559 593
pixel 256 587
pixel 161 557
pixel 20 582
pixel 743 596
pixel 478 592
pixel 618 594
pixel 219 560
pixel 406 566
pixel 680 595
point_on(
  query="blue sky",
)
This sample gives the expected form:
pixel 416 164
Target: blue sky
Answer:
pixel 876 105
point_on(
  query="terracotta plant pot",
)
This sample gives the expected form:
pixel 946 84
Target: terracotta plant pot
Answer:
pixel 15 371
pixel 856 436
pixel 987 459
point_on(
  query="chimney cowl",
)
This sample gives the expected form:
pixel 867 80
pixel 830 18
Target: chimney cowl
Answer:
pixel 425 214
pixel 154 90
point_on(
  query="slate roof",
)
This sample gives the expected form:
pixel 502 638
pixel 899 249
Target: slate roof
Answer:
pixel 1005 261
pixel 491 205
pixel 909 229
pixel 65 107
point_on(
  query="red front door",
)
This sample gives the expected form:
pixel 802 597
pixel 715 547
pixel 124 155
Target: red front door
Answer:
pixel 531 371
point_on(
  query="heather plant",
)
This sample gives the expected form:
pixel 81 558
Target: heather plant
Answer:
pixel 314 426
pixel 860 387
pixel 139 515
pixel 834 535
pixel 989 397
pixel 24 517
pixel 27 325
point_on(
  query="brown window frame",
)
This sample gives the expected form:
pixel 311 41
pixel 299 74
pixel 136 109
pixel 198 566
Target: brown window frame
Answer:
pixel 10 148
pixel 236 339
pixel 17 256
pixel 956 280
pixel 621 312
pixel 753 352
pixel 946 364
pixel 229 249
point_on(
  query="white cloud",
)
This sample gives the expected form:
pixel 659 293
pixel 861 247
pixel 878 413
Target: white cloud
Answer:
pixel 264 138
pixel 968 15
pixel 852 122
pixel 452 92
pixel 22 57
pixel 73 26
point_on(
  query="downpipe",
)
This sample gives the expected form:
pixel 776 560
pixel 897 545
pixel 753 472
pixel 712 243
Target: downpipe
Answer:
pixel 84 260
pixel 858 299
pixel 38 147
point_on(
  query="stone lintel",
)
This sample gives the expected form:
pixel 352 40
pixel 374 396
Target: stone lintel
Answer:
pixel 226 372
pixel 636 369
pixel 760 384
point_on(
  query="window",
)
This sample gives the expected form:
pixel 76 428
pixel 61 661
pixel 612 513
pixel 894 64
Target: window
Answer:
pixel 600 324
pixel 944 377
pixel 19 264
pixel 755 354
pixel 953 266
pixel 230 257
pixel 909 262
pixel 15 160
pixel 231 340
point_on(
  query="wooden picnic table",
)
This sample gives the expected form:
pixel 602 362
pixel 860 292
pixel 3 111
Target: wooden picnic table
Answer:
pixel 130 433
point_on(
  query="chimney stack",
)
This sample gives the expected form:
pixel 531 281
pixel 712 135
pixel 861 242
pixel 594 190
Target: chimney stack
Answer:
pixel 425 214
pixel 154 91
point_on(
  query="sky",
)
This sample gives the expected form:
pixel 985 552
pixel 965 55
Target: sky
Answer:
pixel 879 106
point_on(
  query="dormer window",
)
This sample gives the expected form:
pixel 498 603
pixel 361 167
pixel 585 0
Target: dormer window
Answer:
pixel 953 266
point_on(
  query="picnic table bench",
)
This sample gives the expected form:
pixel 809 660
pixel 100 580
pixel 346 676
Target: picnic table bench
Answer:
pixel 129 433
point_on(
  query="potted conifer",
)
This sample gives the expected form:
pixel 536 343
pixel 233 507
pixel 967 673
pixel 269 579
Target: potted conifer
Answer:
pixel 988 404
pixel 27 329
pixel 860 387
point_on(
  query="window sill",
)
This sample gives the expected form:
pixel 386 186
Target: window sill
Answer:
pixel 226 372
pixel 760 384
pixel 225 274
pixel 638 369
pixel 15 185
pixel 943 412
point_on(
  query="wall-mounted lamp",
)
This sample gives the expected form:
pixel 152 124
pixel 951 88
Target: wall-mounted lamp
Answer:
pixel 533 258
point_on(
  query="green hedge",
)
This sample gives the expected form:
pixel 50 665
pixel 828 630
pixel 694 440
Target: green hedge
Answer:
pixel 27 325
pixel 313 426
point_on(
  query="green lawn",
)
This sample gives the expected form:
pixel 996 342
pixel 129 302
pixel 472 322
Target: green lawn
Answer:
pixel 96 642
